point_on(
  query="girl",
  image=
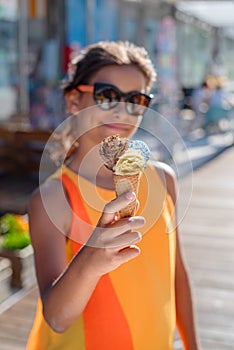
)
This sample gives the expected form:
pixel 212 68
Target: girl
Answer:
pixel 107 283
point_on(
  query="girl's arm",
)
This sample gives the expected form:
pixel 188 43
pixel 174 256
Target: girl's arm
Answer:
pixel 65 290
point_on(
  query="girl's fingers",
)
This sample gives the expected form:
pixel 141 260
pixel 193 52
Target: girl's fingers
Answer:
pixel 128 253
pixel 117 234
pixel 129 223
pixel 114 206
pixel 125 240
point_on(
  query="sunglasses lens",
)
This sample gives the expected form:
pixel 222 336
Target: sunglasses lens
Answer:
pixel 106 97
pixel 137 103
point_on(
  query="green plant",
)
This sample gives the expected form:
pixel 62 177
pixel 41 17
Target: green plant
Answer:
pixel 14 232
pixel 9 223
pixel 16 240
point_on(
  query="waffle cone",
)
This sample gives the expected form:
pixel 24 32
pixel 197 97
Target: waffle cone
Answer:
pixel 127 183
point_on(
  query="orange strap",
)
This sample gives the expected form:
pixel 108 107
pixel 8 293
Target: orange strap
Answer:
pixel 105 323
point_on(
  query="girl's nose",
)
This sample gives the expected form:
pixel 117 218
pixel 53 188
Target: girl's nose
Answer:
pixel 120 111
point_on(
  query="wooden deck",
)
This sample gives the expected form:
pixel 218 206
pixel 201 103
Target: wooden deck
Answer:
pixel 207 233
pixel 16 321
pixel 207 236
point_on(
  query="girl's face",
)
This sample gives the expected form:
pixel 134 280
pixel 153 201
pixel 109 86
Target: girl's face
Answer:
pixel 95 123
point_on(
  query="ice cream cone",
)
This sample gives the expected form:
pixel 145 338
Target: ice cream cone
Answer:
pixel 127 183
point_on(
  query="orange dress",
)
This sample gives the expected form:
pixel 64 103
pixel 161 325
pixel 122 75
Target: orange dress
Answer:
pixel 132 307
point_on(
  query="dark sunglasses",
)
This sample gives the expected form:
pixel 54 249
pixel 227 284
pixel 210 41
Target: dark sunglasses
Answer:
pixel 107 96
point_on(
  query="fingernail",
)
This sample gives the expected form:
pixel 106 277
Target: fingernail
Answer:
pixel 130 196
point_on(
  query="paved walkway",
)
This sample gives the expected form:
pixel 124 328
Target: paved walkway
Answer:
pixel 207 236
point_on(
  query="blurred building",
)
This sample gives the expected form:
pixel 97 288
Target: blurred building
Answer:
pixel 38 37
pixel 31 37
pixel 8 57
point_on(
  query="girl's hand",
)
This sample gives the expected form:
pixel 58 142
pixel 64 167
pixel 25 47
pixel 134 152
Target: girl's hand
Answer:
pixel 112 242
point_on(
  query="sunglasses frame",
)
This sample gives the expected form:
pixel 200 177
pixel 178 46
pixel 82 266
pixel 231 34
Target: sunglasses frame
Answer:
pixel 93 89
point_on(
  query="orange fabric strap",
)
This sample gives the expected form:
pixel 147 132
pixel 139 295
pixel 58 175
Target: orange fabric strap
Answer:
pixel 103 314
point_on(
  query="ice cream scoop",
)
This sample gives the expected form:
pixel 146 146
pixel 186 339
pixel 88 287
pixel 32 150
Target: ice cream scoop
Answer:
pixel 142 147
pixel 111 148
pixel 131 162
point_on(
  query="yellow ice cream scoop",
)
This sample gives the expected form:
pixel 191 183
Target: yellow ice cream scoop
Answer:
pixel 131 162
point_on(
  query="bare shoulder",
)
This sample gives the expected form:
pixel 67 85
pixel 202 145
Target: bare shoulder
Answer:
pixel 48 188
pixel 168 178
pixel 50 202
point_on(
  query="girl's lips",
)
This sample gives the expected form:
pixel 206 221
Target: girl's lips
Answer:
pixel 115 126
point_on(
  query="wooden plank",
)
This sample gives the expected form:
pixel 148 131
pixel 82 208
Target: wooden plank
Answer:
pixel 12 344
pixel 16 322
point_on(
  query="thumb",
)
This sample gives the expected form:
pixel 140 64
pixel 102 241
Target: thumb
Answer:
pixel 114 206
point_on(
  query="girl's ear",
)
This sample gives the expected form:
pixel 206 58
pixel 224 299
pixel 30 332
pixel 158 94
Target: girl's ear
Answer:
pixel 72 101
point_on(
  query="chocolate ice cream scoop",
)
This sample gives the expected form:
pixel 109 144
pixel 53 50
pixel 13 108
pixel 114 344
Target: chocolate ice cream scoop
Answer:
pixel 111 148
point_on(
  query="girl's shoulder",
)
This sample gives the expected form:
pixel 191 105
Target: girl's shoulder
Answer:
pixel 167 176
pixel 50 200
pixel 49 189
